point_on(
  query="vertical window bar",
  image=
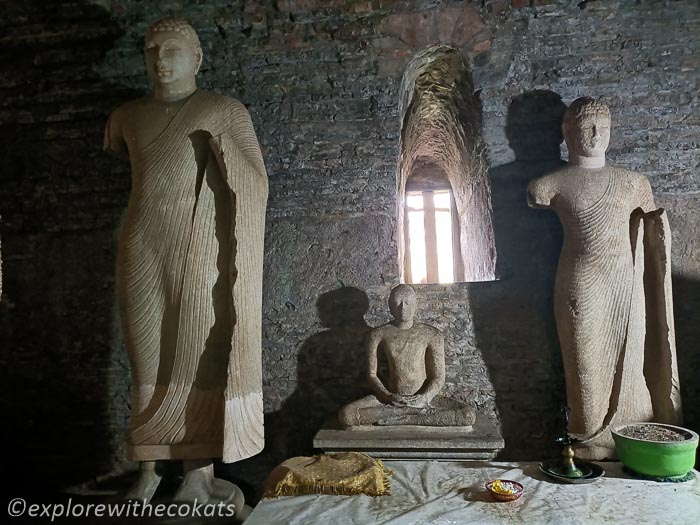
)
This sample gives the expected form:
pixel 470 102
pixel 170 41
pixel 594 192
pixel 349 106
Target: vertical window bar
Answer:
pixel 416 233
pixel 408 273
pixel 456 244
pixel 443 233
pixel 431 260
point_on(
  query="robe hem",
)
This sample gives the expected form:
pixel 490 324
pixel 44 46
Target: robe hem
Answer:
pixel 175 451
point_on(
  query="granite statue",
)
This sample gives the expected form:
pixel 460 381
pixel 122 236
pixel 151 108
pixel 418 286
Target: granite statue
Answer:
pixel 416 364
pixel 613 303
pixel 189 270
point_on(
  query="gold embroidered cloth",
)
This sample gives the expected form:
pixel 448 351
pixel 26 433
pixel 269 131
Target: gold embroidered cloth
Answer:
pixel 346 473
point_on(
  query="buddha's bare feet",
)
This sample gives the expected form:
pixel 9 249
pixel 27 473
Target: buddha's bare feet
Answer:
pixel 198 483
pixel 147 483
pixel 201 487
pixel 243 515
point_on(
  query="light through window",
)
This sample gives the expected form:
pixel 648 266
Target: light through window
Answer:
pixel 430 236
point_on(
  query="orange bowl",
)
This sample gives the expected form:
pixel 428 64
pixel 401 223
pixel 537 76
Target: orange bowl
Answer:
pixel 516 488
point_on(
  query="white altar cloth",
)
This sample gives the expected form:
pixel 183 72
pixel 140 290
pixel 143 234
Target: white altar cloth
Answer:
pixel 453 493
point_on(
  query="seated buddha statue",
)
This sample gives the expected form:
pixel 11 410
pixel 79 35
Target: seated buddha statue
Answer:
pixel 416 362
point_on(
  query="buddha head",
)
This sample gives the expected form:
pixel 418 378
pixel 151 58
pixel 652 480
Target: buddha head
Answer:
pixel 402 303
pixel 586 127
pixel 173 52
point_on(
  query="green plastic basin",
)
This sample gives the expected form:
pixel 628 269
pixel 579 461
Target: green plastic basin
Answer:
pixel 657 458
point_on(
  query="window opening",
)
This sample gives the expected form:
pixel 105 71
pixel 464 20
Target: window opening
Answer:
pixel 430 232
pixel 444 196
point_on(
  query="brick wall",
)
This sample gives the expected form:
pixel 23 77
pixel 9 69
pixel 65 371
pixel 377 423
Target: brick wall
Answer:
pixel 322 80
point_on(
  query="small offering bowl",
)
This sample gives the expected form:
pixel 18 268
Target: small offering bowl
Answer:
pixel 505 489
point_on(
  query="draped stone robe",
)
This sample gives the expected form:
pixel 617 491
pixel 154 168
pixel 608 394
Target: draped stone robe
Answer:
pixel 189 279
pixel 612 302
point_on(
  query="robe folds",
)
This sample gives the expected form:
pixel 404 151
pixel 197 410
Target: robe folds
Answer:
pixel 613 303
pixel 189 284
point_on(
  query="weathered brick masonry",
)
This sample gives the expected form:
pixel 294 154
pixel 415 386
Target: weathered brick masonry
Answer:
pixel 321 80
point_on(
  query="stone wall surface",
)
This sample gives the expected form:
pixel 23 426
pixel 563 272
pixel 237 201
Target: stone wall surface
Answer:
pixel 322 79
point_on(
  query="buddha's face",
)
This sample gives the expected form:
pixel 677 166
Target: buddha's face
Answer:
pixel 171 57
pixel 402 305
pixel 590 136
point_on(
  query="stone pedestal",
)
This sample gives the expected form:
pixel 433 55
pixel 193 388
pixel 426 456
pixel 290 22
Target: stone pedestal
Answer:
pixel 480 442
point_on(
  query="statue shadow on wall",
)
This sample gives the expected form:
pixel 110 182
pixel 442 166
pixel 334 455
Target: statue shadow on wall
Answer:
pixel 514 317
pixel 331 371
pixel 57 319
pixel 686 309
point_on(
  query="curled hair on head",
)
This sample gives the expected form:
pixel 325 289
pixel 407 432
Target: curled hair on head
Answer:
pixel 176 25
pixel 584 108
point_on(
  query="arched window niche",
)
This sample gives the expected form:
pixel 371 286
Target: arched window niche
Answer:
pixel 444 198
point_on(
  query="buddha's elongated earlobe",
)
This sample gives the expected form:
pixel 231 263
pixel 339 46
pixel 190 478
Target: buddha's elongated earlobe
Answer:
pixel 198 57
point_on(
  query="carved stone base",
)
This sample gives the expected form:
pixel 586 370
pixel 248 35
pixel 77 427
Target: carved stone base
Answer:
pixel 482 442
